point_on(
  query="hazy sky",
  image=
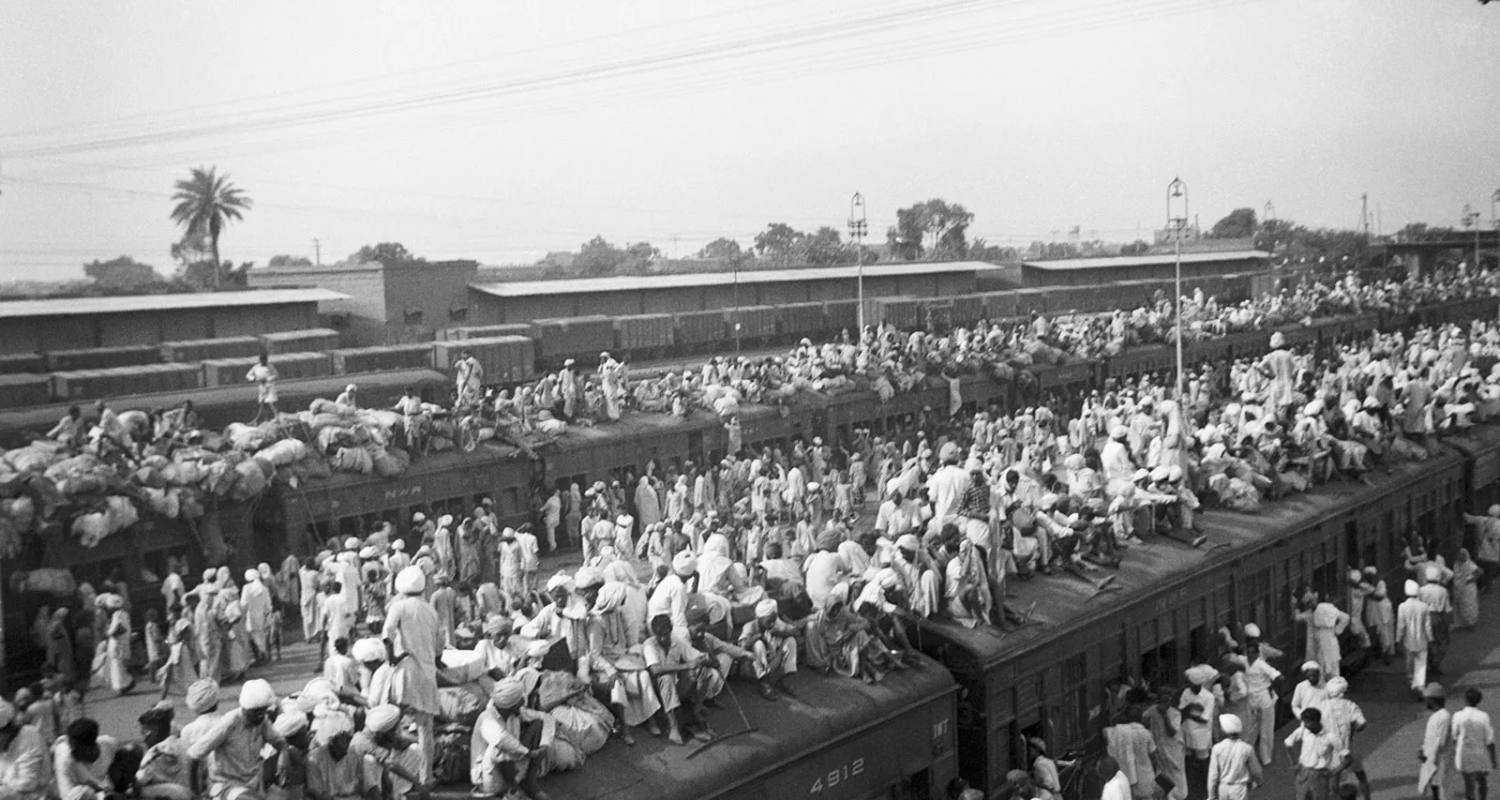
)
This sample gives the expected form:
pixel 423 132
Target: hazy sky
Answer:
pixel 499 130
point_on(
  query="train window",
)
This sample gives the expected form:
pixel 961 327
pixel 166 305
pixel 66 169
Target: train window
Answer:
pixel 1159 664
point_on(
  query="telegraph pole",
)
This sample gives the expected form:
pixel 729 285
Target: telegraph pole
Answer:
pixel 858 225
pixel 1364 214
pixel 1177 206
pixel 317 252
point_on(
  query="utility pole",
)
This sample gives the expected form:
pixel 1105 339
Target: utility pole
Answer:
pixel 1364 215
pixel 1177 206
pixel 858 226
pixel 317 252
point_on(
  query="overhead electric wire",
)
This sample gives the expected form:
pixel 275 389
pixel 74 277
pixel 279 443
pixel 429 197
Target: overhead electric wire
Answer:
pixel 862 55
pixel 760 44
pixel 198 109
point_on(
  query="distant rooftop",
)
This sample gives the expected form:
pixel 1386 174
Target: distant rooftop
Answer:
pixel 77 306
pixel 1107 262
pixel 626 283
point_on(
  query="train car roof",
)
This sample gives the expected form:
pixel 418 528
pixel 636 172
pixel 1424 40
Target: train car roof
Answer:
pixel 1061 602
pixel 242 396
pixel 826 711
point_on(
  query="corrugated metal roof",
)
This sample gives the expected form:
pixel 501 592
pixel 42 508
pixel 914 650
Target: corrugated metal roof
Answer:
pixel 1111 262
pixel 76 306
pixel 627 283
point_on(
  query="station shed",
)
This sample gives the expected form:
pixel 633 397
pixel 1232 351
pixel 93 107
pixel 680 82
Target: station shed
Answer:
pixel 76 323
pixel 523 301
pixel 385 303
pixel 1093 271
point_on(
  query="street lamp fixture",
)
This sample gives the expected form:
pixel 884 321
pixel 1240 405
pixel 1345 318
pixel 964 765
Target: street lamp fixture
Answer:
pixel 858 227
pixel 1177 217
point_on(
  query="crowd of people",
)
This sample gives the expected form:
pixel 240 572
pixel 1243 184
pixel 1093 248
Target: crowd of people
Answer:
pixel 447 655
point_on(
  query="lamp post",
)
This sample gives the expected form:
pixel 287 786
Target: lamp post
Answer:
pixel 1177 217
pixel 1471 220
pixel 858 226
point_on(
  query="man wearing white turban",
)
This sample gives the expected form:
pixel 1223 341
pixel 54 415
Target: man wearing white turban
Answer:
pixel 255 601
pixel 1233 768
pixel 509 744
pixel 774 646
pixel 235 741
pixel 1414 634
pixel 414 644
pixel 670 596
pixel 394 760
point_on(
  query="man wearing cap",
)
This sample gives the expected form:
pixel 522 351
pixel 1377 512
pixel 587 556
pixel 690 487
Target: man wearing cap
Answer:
pixel 414 646
pixel 1260 683
pixel 1343 718
pixel 23 758
pixel 1414 634
pixel 1319 758
pixel 509 744
pixel 1310 691
pixel 1233 768
pixel 235 741
pixel 1436 754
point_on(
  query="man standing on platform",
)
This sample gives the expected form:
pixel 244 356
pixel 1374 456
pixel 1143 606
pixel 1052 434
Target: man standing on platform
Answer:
pixel 1233 767
pixel 1436 754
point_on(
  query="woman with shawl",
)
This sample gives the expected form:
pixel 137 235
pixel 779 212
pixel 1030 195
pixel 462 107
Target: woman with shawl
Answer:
pixel 1466 575
pixel 837 638
pixel 1379 619
pixel 116 642
pixel 231 616
pixel 60 661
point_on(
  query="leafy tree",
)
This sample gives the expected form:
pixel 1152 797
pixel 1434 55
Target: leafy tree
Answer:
pixel 206 203
pixel 934 228
pixel 776 241
pixel 388 253
pixel 597 257
pixel 1135 248
pixel 200 276
pixel 721 247
pixel 1239 224
pixel 123 274
pixel 819 248
pixel 289 261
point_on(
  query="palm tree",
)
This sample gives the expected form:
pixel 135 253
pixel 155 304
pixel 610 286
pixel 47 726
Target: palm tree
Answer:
pixel 206 202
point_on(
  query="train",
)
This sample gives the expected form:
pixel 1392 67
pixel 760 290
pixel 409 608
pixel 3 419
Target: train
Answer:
pixel 977 694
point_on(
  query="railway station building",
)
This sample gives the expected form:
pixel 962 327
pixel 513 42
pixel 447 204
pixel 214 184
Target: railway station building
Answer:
pixel 76 323
pixel 504 302
pixel 1094 271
